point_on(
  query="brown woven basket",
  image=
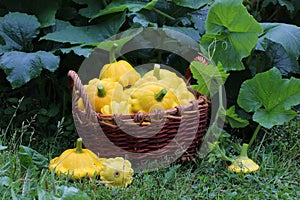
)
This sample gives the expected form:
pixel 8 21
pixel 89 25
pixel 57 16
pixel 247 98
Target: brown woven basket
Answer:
pixel 173 135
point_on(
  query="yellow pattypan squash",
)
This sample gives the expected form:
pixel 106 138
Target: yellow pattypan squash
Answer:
pixel 152 96
pixel 120 71
pixel 77 162
pixel 101 93
pixel 116 172
pixel 116 108
pixel 243 163
pixel 173 81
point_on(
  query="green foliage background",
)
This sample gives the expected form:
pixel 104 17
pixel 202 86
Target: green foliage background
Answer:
pixel 40 41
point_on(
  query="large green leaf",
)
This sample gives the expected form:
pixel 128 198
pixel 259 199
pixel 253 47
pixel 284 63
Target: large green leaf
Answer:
pixel 272 54
pixel 231 33
pixel 84 38
pixel 209 78
pixel 44 10
pixel 18 30
pixel 270 97
pixel 29 157
pixel 285 34
pixel 194 4
pixel 94 8
pixel 21 67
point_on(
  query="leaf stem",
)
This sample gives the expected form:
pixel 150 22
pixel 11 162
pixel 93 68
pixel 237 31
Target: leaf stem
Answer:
pixel 254 135
pixel 163 14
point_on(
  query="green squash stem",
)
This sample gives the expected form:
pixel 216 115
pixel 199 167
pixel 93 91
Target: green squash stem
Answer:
pixel 244 151
pixel 160 95
pixel 156 71
pixel 79 145
pixel 101 90
pixel 112 53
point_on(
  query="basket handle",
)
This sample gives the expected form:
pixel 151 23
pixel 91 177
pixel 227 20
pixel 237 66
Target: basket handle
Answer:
pixel 77 86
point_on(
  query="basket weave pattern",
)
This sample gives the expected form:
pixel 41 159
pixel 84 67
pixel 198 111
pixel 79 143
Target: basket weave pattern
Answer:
pixel 143 135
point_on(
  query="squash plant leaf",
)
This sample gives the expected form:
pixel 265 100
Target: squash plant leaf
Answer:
pixel 233 119
pixel 87 36
pixel 270 97
pixel 29 157
pixel 91 8
pixel 194 4
pixel 209 77
pixel 44 10
pixel 94 9
pixel 231 33
pixel 272 54
pixel 120 39
pixel 286 35
pixel 17 31
pixel 21 67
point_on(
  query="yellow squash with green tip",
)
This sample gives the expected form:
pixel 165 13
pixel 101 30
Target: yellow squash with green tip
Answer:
pixel 152 96
pixel 101 93
pixel 76 163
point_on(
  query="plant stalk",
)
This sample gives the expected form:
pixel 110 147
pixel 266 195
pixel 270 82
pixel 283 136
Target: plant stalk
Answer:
pixel 163 14
pixel 254 135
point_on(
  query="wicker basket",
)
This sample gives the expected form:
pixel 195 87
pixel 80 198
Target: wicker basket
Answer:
pixel 172 135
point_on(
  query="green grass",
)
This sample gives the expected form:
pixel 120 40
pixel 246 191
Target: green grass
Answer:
pixel 277 152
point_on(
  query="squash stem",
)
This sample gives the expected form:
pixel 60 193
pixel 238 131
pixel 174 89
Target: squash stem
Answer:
pixel 101 90
pixel 156 71
pixel 112 53
pixel 244 150
pixel 160 95
pixel 79 145
pixel 254 135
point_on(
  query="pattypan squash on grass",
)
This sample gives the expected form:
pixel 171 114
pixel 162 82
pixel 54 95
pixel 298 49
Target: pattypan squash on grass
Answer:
pixel 77 162
pixel 243 163
pixel 116 172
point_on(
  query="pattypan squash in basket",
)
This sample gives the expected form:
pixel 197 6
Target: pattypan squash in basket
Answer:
pixel 101 93
pixel 173 81
pixel 152 96
pixel 120 71
pixel 77 162
pixel 116 108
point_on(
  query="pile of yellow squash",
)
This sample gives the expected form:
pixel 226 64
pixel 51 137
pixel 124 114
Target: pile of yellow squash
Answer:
pixel 121 89
pixel 78 163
